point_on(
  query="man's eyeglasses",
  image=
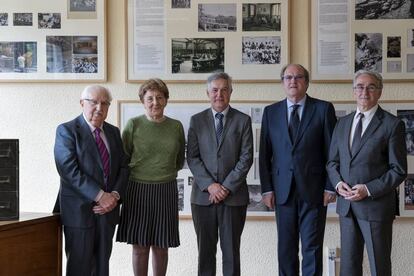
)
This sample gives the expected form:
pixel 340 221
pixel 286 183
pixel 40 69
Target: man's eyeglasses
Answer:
pixel 94 103
pixel 291 77
pixel 369 88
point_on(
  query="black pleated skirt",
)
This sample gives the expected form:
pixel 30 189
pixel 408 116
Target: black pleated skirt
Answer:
pixel 149 215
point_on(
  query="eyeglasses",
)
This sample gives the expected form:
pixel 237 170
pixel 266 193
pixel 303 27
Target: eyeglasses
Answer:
pixel 291 77
pixel 94 103
pixel 369 88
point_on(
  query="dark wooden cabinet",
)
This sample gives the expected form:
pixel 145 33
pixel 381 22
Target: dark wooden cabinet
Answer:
pixel 31 245
pixel 9 179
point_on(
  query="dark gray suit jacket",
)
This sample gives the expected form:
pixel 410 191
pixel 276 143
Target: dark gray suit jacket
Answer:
pixel 81 171
pixel 227 163
pixel 380 163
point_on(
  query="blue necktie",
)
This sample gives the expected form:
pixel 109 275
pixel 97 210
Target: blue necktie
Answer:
pixel 219 127
pixel 294 122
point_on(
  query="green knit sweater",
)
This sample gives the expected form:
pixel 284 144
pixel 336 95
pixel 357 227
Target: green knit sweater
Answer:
pixel 156 150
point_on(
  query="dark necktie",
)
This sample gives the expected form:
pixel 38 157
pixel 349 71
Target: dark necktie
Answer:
pixel 356 141
pixel 294 122
pixel 219 127
pixel 103 152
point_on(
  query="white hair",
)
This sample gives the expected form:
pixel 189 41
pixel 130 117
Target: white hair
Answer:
pixel 87 91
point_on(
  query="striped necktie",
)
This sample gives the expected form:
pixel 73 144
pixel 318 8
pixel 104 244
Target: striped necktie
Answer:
pixel 219 127
pixel 103 152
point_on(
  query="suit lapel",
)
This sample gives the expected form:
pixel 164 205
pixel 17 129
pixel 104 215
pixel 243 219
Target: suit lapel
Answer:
pixel 87 137
pixel 110 139
pixel 282 112
pixel 307 114
pixel 209 118
pixel 227 125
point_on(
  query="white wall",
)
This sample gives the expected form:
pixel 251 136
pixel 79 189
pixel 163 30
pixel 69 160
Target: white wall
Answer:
pixel 31 112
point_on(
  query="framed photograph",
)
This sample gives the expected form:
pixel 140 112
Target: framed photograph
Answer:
pixel 188 40
pixel 182 111
pixel 347 36
pixel 47 42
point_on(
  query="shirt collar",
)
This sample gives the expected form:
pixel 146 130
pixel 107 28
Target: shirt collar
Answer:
pixel 301 102
pixel 91 127
pixel 369 113
pixel 224 112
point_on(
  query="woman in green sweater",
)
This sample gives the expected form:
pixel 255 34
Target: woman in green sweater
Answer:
pixel 155 145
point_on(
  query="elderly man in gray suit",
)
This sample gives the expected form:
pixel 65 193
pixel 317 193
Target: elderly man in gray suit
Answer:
pixel 219 154
pixel 367 161
pixel 93 173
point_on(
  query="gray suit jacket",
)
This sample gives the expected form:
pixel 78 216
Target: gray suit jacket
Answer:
pixel 81 171
pixel 380 163
pixel 227 163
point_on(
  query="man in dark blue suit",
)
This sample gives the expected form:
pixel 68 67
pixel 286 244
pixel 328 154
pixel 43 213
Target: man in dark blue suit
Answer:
pixel 294 147
pixel 93 171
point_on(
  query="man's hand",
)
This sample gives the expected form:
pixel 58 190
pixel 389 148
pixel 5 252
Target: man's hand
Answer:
pixel 217 193
pixel 328 198
pixel 358 192
pixel 269 200
pixel 344 190
pixel 105 204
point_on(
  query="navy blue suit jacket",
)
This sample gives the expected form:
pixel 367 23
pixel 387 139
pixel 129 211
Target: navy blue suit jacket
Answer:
pixel 304 159
pixel 81 171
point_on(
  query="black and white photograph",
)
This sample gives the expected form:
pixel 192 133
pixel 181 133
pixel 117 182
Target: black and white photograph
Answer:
pixel 255 199
pixel 384 9
pixel 82 5
pixel 197 55
pixel 190 180
pixel 409 192
pixel 393 46
pixel 217 17
pixel 84 64
pixel 71 54
pixel 394 66
pixel 22 19
pixel 59 54
pixel 368 52
pixel 85 45
pixel 407 116
pixel 261 50
pixel 180 187
pixel 256 114
pixel 49 20
pixel 410 63
pixel 261 17
pixel 18 57
pixel 180 4
pixel 410 38
pixel 4 19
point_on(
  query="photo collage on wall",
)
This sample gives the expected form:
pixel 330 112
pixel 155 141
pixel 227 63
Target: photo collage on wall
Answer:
pixel 384 52
pixel 63 54
pixel 207 54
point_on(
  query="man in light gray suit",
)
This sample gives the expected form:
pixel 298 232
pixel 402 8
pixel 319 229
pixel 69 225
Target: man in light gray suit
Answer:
pixel 367 161
pixel 93 173
pixel 219 154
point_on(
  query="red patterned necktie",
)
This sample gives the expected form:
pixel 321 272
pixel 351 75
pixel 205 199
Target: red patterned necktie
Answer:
pixel 103 152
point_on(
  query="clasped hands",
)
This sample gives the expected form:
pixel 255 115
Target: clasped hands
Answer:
pixel 356 193
pixel 105 204
pixel 217 193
